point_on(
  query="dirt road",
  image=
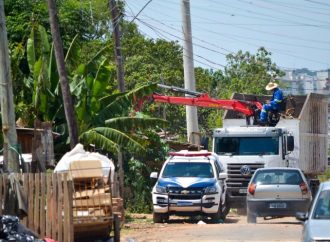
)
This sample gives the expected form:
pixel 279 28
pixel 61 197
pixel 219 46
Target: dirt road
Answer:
pixel 234 229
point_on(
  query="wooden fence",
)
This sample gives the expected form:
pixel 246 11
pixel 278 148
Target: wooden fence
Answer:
pixel 49 198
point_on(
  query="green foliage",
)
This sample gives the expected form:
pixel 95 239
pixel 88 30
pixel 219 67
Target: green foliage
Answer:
pixel 106 117
pixel 138 170
pixel 248 73
pixel 326 176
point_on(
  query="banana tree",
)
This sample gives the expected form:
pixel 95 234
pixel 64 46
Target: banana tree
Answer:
pixel 124 128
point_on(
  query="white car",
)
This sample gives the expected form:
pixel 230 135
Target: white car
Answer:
pixel 317 220
pixel 190 183
pixel 277 191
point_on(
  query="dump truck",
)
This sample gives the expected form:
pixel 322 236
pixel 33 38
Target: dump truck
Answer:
pixel 298 139
pixel 295 136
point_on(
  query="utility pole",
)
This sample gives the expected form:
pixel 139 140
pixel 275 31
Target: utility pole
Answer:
pixel 116 36
pixel 7 100
pixel 189 73
pixel 120 79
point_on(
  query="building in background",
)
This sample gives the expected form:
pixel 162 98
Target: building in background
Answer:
pixel 304 81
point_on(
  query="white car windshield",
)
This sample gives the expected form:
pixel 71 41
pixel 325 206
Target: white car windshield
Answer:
pixel 322 208
pixel 188 169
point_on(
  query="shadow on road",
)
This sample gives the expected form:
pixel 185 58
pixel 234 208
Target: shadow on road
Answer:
pixel 270 220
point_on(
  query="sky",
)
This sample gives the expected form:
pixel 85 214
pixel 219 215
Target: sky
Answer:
pixel 296 32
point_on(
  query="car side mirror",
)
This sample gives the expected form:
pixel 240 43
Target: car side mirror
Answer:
pixel 223 176
pixel 154 175
pixel 290 144
pixel 301 216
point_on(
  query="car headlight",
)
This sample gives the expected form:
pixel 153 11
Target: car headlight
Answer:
pixel 160 189
pixel 211 190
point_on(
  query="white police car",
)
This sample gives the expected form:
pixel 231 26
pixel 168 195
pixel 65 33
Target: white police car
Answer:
pixel 190 183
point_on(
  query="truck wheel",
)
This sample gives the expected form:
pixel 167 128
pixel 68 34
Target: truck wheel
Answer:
pixel 160 217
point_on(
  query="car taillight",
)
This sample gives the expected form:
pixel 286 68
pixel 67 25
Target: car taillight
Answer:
pixel 303 188
pixel 252 188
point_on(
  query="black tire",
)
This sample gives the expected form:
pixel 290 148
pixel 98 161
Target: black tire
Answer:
pixel 225 210
pixel 219 216
pixel 160 217
pixel 116 225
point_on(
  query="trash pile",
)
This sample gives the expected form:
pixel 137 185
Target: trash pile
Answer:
pixel 12 230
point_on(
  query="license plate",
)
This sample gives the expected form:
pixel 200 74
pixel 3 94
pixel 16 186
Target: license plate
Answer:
pixel 277 205
pixel 242 190
pixel 183 203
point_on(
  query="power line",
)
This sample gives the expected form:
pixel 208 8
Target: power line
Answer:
pixel 295 7
pixel 239 36
pixel 317 2
pixel 259 31
pixel 159 30
pixel 244 26
pixel 140 11
pixel 283 12
pixel 194 37
pixel 180 38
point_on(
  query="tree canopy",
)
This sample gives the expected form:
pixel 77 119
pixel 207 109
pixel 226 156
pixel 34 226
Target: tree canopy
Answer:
pixel 105 116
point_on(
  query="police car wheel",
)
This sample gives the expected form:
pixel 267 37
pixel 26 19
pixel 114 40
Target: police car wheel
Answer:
pixel 160 217
pixel 218 216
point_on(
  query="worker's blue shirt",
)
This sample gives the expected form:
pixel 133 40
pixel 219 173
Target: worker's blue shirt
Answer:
pixel 277 98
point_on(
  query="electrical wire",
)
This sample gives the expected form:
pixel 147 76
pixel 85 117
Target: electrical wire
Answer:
pixel 255 30
pixel 229 36
pixel 159 33
pixel 239 36
pixel 140 11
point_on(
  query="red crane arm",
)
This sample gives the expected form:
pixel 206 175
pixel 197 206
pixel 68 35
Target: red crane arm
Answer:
pixel 245 107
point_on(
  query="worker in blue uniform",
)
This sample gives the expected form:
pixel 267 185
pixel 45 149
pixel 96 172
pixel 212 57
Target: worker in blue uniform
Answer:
pixel 275 102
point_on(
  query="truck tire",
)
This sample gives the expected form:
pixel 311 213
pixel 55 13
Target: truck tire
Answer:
pixel 160 217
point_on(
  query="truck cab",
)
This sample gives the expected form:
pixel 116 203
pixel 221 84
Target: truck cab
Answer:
pixel 245 149
pixel 190 183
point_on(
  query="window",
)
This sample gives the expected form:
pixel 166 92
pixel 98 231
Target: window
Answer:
pixel 267 177
pixel 188 169
pixel 322 208
pixel 247 145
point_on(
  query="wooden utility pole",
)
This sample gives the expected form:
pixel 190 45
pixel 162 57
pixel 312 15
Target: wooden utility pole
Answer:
pixel 189 73
pixel 116 36
pixel 64 82
pixel 120 79
pixel 7 100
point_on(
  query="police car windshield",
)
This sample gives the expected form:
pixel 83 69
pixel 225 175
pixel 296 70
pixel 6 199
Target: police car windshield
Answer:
pixel 188 169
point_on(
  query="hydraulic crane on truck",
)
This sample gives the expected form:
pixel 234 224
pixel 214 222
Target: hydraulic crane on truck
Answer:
pixel 250 109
